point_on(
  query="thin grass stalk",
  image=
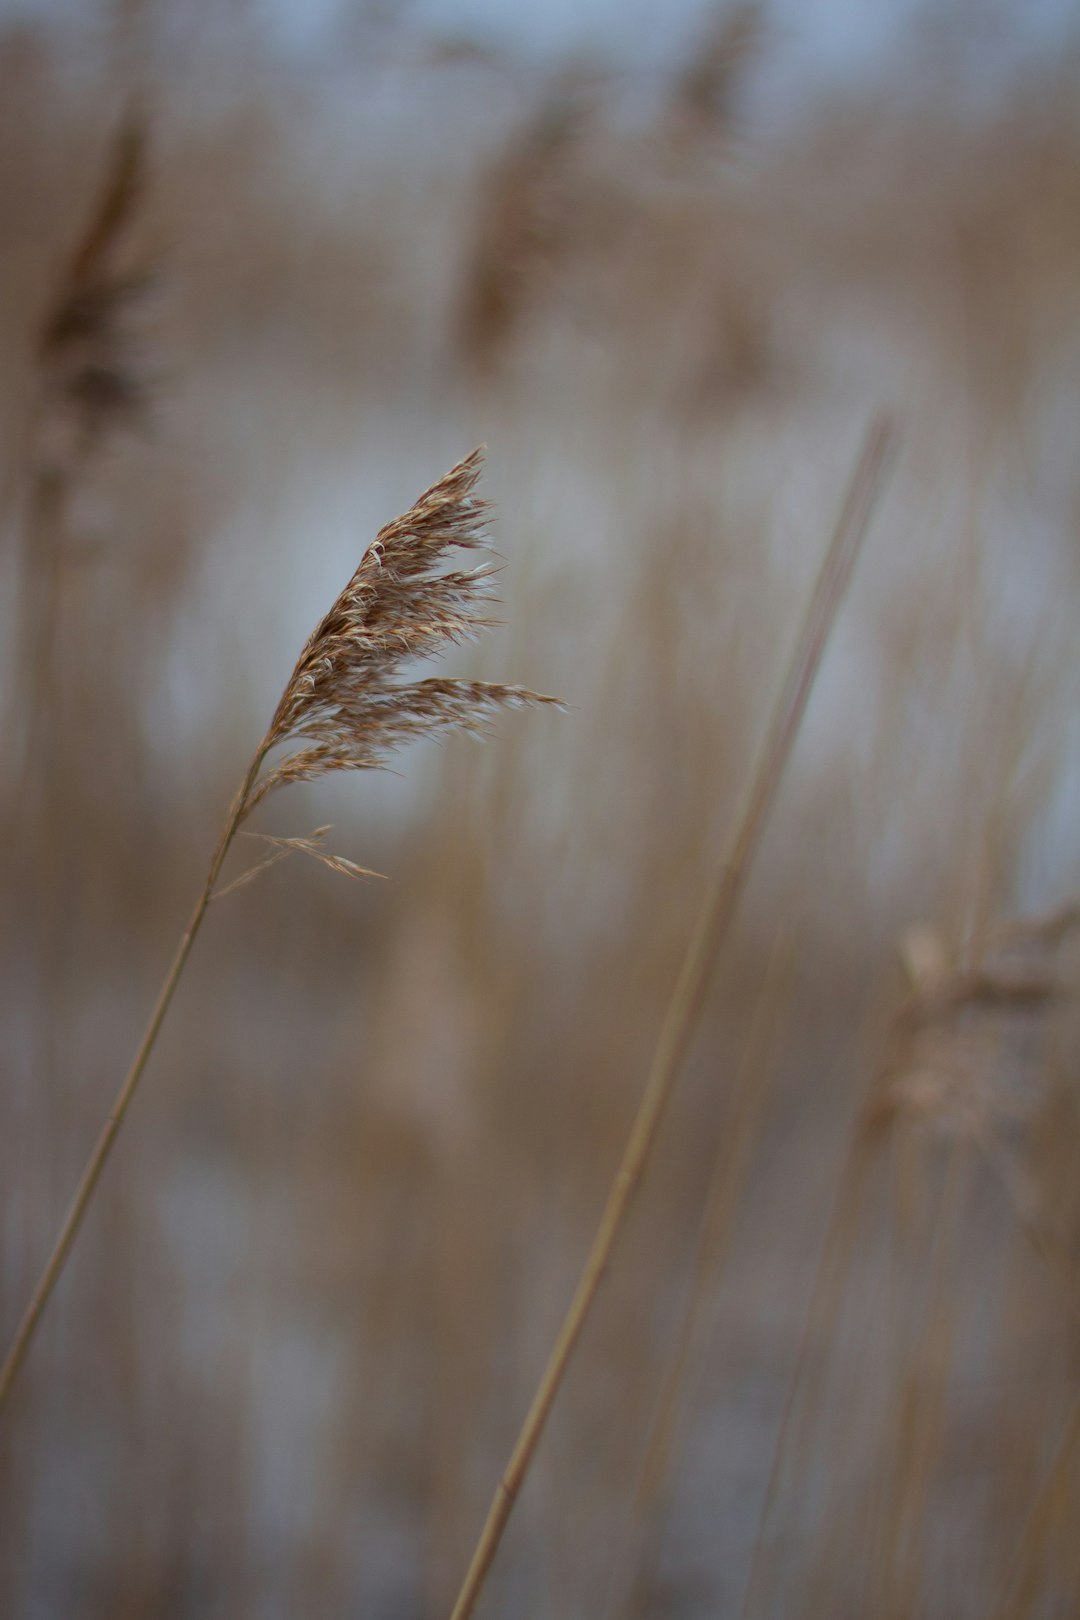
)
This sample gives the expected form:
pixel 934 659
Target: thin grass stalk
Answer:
pixel 110 1130
pixel 1051 1501
pixel 1047 1513
pixel 344 707
pixel 921 1409
pixel 833 1266
pixel 836 1580
pixel 692 986
pixel 631 1589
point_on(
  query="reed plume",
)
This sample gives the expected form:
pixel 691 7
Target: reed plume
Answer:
pixel 345 707
pixel 92 386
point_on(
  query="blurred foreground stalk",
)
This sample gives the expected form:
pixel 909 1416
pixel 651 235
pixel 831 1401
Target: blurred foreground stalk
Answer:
pixel 692 987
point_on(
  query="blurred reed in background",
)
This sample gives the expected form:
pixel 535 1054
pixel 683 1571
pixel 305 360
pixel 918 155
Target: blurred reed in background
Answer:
pixel 833 1370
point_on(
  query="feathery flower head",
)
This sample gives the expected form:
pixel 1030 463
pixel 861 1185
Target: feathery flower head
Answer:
pixel 345 706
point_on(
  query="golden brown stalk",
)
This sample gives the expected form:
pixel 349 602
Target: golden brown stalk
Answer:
pixel 631 1588
pixel 1047 1515
pixel 833 1267
pixel 692 986
pixel 920 1410
pixel 343 708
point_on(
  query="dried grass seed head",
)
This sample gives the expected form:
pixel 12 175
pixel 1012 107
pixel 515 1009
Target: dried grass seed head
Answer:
pixel 345 704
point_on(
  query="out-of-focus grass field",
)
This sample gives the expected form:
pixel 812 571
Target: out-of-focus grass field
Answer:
pixel 344 1219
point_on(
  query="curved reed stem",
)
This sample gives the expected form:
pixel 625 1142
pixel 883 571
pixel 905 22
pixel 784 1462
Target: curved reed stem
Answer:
pixel 344 707
pixel 109 1131
pixel 631 1587
pixel 692 986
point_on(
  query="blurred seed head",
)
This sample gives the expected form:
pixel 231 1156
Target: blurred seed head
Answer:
pixel 95 383
pixel 965 1049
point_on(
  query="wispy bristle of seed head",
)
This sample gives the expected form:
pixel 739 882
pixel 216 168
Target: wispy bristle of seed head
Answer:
pixel 346 706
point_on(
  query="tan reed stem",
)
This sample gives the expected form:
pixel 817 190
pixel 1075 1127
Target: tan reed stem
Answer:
pixel 920 1409
pixel 832 1267
pixel 1051 1499
pixel 1047 1512
pixel 109 1131
pixel 341 709
pixel 631 1588
pixel 691 988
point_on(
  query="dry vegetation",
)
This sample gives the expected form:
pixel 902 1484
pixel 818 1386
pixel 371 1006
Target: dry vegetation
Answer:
pixel 833 1367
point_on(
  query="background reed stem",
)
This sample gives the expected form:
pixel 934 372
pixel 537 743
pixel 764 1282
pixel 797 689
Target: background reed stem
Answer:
pixel 692 986
pixel 110 1130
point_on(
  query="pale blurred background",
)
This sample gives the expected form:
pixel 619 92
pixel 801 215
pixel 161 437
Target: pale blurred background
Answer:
pixel 667 263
